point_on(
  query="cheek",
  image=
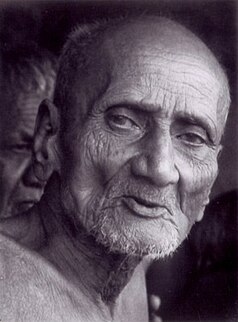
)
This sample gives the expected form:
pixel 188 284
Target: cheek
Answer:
pixel 89 165
pixel 11 170
pixel 97 157
pixel 106 154
pixel 196 180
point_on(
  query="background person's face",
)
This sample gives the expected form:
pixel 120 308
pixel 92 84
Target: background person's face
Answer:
pixel 142 163
pixel 19 187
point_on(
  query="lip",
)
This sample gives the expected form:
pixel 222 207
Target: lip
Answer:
pixel 144 208
pixel 25 205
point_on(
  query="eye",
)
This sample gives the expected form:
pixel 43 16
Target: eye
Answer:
pixel 21 147
pixel 192 138
pixel 121 122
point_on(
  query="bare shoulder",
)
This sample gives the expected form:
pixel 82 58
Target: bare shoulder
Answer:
pixel 15 260
pixel 17 272
pixel 31 290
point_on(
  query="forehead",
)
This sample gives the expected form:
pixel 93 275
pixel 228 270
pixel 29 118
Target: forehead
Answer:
pixel 163 47
pixel 160 66
pixel 163 77
pixel 19 115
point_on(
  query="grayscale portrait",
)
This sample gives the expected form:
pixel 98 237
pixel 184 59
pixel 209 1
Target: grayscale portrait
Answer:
pixel 118 161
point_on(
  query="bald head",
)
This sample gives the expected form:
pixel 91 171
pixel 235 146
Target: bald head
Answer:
pixel 94 53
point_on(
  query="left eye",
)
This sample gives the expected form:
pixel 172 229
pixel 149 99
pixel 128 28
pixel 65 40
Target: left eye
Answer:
pixel 21 147
pixel 192 138
pixel 121 122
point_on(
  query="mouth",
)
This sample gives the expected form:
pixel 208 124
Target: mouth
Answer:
pixel 144 208
pixel 24 205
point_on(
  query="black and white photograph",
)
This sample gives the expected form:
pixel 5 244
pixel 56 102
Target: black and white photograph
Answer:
pixel 118 161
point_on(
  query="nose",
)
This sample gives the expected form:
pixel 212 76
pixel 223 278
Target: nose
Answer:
pixel 29 179
pixel 156 161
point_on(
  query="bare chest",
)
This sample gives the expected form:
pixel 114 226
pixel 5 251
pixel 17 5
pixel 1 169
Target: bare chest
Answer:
pixel 31 290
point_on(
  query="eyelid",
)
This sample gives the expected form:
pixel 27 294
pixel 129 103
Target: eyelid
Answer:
pixel 134 126
pixel 183 128
pixel 22 146
pixel 124 117
pixel 119 109
pixel 197 129
pixel 127 112
pixel 193 135
pixel 207 125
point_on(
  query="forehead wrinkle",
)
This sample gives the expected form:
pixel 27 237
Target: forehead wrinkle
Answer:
pixel 27 124
pixel 14 128
pixel 25 114
pixel 162 57
pixel 158 65
pixel 119 47
pixel 146 90
pixel 27 107
pixel 135 36
pixel 158 72
pixel 133 42
pixel 25 130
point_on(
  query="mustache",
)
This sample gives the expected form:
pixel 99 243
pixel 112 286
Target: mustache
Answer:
pixel 143 192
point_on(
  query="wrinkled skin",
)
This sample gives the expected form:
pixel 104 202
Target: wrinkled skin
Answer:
pixel 19 187
pixel 144 159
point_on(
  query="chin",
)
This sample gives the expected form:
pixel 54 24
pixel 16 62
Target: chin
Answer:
pixel 121 231
pixel 155 238
pixel 8 212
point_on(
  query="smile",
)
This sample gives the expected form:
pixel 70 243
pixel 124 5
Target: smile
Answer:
pixel 144 208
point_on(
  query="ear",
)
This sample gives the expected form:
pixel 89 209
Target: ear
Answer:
pixel 46 147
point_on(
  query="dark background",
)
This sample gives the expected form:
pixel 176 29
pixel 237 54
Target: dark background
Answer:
pixel 48 24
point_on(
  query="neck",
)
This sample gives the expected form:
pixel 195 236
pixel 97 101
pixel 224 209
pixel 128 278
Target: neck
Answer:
pixel 100 274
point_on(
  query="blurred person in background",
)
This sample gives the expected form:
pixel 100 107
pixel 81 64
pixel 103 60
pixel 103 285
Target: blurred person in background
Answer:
pixel 27 77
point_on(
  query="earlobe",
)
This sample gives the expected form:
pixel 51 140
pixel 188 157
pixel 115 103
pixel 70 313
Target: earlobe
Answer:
pixel 219 151
pixel 200 216
pixel 45 141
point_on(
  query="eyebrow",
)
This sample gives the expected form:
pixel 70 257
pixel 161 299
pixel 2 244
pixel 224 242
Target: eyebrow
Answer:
pixel 187 117
pixel 181 116
pixel 200 120
pixel 136 106
pixel 25 135
pixel 204 122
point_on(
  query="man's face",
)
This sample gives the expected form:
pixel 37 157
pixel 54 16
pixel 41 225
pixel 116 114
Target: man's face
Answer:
pixel 143 160
pixel 19 187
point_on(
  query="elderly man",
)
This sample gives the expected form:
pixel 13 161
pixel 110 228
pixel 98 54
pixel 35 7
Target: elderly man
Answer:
pixel 132 139
pixel 28 76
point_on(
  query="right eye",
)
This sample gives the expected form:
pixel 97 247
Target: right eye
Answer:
pixel 21 147
pixel 122 122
